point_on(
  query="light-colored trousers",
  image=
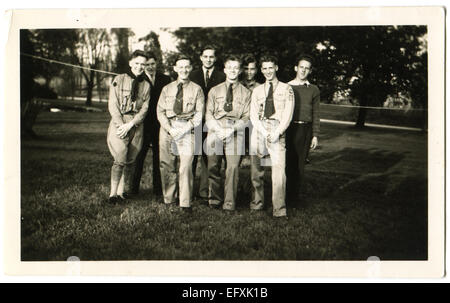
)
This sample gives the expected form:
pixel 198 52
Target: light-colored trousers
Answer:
pixel 175 181
pixel 231 149
pixel 260 149
pixel 124 151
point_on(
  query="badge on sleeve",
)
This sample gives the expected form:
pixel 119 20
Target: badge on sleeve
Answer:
pixel 114 83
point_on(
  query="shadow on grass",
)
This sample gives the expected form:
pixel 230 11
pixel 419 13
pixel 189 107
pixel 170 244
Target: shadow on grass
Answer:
pixel 357 160
pixel 66 178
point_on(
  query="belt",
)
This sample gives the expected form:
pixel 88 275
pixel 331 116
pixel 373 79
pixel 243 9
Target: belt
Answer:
pixel 180 118
pixel 300 122
pixel 269 119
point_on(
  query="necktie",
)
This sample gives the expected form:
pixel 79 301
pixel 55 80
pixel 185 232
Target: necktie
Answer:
pixel 269 109
pixel 178 105
pixel 228 107
pixel 207 78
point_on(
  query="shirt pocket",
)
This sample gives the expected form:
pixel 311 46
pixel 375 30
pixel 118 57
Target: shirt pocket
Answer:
pixel 279 102
pixel 126 105
pixel 260 101
pixel 219 103
pixel 189 104
pixel 169 102
pixel 238 105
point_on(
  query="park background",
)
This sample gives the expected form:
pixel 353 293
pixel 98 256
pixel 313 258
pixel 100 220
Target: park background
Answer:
pixel 366 191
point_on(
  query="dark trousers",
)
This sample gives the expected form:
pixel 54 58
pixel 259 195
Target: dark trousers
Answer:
pixel 298 141
pixel 203 187
pixel 152 139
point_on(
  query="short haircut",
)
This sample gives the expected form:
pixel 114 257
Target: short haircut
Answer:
pixel 138 53
pixel 151 55
pixel 269 58
pixel 249 59
pixel 305 57
pixel 211 47
pixel 181 57
pixel 232 58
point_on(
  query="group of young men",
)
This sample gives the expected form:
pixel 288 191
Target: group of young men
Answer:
pixel 217 117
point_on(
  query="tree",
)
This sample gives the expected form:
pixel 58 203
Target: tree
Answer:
pixel 57 45
pixel 54 44
pixel 151 43
pixel 372 62
pixel 369 62
pixel 94 52
pixel 123 51
pixel 27 74
pixel 286 43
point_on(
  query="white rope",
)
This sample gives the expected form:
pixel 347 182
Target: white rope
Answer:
pixel 68 64
pixel 372 107
pixel 115 74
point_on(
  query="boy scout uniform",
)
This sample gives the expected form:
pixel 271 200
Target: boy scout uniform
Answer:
pixel 282 99
pixel 188 117
pixel 228 106
pixel 124 110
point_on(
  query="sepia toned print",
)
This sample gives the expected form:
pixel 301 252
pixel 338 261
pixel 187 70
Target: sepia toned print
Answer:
pixel 360 192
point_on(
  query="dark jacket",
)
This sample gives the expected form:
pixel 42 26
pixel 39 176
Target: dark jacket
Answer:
pixel 216 77
pixel 151 124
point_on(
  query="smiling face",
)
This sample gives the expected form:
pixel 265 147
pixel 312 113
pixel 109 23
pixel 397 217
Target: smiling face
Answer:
pixel 151 66
pixel 303 70
pixel 208 58
pixel 232 70
pixel 269 70
pixel 138 65
pixel 250 71
pixel 183 68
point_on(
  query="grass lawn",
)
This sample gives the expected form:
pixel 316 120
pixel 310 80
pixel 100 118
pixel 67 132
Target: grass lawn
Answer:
pixel 366 195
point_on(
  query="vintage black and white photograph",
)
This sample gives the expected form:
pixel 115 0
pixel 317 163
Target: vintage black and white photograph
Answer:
pixel 239 142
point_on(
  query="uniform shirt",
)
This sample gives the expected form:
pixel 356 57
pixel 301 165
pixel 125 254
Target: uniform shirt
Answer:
pixel 193 104
pixel 215 106
pixel 283 100
pixel 120 103
pixel 307 104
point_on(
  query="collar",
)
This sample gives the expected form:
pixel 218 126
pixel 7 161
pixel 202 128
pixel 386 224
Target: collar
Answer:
pixel 150 75
pixel 274 83
pixel 228 83
pixel 184 83
pixel 298 82
pixel 249 81
pixel 205 69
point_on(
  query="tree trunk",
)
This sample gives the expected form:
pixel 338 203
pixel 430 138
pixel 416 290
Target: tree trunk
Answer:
pixel 29 113
pixel 361 120
pixel 90 88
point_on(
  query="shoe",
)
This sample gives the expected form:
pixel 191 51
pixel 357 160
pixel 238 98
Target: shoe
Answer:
pixel 121 200
pixel 127 195
pixel 203 200
pixel 214 206
pixel 113 200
